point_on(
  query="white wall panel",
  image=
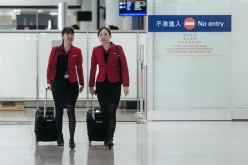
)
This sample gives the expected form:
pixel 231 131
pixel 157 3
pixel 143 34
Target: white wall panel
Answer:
pixel 18 66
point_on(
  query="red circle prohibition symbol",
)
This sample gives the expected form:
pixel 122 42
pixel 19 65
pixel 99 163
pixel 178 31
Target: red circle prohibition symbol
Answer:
pixel 189 23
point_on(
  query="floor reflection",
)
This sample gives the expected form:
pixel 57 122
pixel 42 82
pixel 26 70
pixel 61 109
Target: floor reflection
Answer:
pixel 72 153
pixel 48 154
pixel 154 143
pixel 98 154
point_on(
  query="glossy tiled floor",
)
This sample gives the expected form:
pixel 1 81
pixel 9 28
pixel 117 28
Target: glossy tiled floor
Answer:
pixel 153 143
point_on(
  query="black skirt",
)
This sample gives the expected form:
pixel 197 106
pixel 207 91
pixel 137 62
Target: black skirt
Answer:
pixel 108 93
pixel 64 94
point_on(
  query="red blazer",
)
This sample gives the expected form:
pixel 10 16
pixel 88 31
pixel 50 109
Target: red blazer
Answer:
pixel 75 61
pixel 111 68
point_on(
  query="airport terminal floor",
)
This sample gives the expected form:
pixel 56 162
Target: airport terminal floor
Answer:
pixel 135 143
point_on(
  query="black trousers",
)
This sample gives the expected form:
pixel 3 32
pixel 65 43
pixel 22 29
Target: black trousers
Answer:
pixel 108 95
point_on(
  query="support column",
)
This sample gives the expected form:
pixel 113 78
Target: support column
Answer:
pixel 89 5
pixel 62 15
pixel 112 13
pixel 94 15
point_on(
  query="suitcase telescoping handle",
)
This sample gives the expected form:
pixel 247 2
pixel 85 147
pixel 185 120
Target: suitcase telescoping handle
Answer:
pixel 45 104
pixel 92 107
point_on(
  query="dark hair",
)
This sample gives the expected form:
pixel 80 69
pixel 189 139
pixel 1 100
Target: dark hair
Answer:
pixel 104 27
pixel 67 30
pixel 75 27
pixel 113 27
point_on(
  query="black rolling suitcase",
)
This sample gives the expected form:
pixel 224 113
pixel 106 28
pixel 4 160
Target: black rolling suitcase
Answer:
pixel 45 126
pixel 95 126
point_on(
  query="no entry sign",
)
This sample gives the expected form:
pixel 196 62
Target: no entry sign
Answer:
pixel 189 23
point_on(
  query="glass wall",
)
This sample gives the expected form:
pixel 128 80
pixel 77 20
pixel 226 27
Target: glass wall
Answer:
pixel 198 75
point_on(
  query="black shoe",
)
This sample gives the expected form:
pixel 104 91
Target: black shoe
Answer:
pixel 105 143
pixel 72 144
pixel 60 141
pixel 110 144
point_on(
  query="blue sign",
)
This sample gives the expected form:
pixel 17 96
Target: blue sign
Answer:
pixel 189 23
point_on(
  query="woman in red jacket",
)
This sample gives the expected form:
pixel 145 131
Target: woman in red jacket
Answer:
pixel 64 74
pixel 109 80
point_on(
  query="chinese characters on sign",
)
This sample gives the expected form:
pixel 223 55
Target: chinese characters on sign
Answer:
pixel 189 45
pixel 167 23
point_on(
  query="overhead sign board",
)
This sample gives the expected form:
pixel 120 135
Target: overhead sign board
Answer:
pixel 189 23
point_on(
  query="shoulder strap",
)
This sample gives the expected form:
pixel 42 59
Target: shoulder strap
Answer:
pixel 54 54
pixel 56 50
pixel 119 61
pixel 118 55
